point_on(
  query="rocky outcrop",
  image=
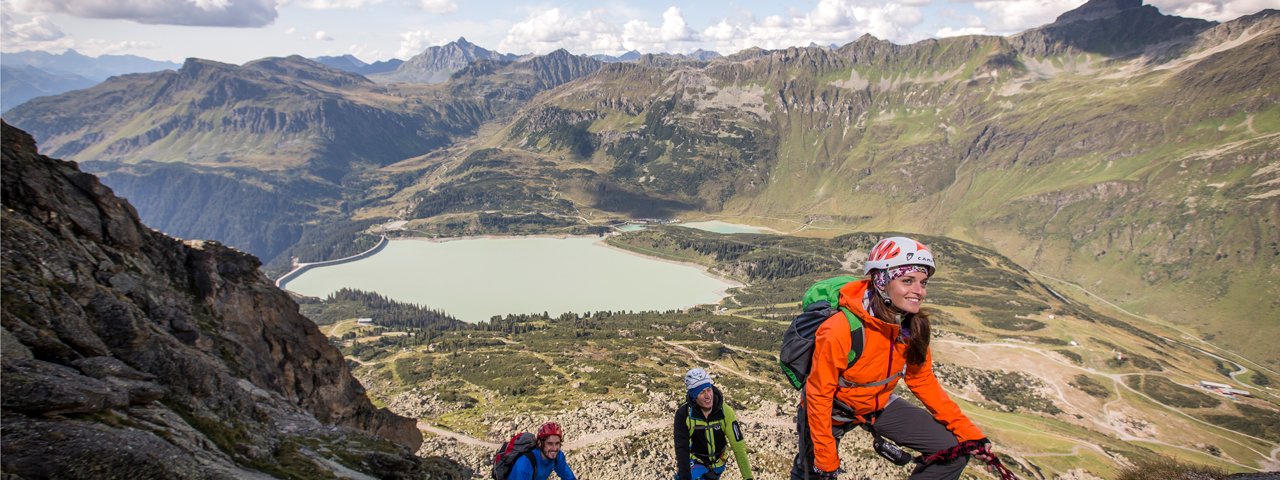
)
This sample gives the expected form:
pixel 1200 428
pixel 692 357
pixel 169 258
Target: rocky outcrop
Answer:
pixel 127 352
pixel 436 64
pixel 559 67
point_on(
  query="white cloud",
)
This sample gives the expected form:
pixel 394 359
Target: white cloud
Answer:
pixel 829 22
pixel 674 28
pixel 962 31
pixel 290 31
pixel 552 29
pixel 213 13
pixel 332 4
pixel 38 29
pixel 321 36
pixel 438 6
pixel 831 14
pixel 413 43
pixel 1013 16
pixel 38 33
pixel 97 48
pixel 673 36
pixel 212 4
pixel 1217 10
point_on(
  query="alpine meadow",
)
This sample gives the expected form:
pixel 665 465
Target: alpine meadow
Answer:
pixel 1101 195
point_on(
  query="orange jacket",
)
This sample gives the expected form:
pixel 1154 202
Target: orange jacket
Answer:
pixel 883 356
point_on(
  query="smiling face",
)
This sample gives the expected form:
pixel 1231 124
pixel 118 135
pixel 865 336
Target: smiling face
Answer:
pixel 706 398
pixel 908 291
pixel 551 447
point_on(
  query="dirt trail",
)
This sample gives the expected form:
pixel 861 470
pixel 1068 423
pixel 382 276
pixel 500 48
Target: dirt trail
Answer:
pixel 440 432
pixel 727 368
pixel 610 435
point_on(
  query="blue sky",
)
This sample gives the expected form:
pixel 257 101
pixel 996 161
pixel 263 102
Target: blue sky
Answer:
pixel 237 31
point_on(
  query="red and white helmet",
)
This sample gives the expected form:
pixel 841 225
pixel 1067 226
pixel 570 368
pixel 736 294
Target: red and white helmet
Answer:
pixel 550 428
pixel 898 251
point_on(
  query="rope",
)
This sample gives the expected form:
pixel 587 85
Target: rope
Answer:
pixel 976 449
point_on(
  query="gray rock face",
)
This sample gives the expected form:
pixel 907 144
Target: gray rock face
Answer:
pixel 130 353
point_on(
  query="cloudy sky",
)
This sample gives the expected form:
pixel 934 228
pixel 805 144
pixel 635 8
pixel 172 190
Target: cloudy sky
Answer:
pixel 237 31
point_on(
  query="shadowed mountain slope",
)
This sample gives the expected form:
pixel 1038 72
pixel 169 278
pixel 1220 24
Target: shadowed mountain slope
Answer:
pixel 130 353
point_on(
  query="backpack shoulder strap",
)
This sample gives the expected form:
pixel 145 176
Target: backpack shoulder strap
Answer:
pixel 857 337
pixel 533 463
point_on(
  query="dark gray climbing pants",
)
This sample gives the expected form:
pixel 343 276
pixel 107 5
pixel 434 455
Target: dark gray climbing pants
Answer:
pixel 907 425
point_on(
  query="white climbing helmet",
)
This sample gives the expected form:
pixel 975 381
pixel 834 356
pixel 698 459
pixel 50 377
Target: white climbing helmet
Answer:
pixel 898 251
pixel 696 378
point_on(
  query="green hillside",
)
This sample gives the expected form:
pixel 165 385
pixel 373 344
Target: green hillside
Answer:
pixel 1059 385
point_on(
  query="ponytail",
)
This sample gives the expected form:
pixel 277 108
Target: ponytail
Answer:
pixel 915 323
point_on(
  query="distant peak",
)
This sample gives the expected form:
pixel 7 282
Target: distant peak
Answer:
pixel 196 62
pixel 462 41
pixel 1097 9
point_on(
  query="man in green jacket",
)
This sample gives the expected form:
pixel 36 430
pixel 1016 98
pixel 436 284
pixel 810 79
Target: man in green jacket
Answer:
pixel 704 427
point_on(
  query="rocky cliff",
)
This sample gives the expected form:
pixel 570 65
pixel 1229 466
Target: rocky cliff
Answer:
pixel 127 353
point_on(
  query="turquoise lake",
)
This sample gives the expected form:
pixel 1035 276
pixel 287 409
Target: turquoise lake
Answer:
pixel 475 279
pixel 725 227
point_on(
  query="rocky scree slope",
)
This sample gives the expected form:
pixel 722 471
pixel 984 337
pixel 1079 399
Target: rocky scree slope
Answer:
pixel 129 353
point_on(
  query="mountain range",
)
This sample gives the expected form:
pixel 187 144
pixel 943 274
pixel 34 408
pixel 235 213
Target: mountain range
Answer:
pixel 1117 148
pixel 350 63
pixel 26 75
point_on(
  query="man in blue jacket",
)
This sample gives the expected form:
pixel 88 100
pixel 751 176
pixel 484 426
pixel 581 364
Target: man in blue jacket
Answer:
pixel 545 459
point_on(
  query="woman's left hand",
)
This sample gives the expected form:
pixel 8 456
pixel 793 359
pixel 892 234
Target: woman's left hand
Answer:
pixel 989 455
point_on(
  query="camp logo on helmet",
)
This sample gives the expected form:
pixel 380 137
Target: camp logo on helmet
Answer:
pixel 886 249
pixel 909 255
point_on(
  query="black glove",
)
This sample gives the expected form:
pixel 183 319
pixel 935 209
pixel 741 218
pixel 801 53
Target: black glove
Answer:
pixel 711 475
pixel 986 455
pixel 821 475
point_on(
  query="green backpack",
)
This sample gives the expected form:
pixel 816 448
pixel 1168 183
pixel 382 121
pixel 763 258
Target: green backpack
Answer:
pixel 820 302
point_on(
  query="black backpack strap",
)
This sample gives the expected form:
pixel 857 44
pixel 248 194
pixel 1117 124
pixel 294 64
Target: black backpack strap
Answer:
pixel 533 462
pixel 858 341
